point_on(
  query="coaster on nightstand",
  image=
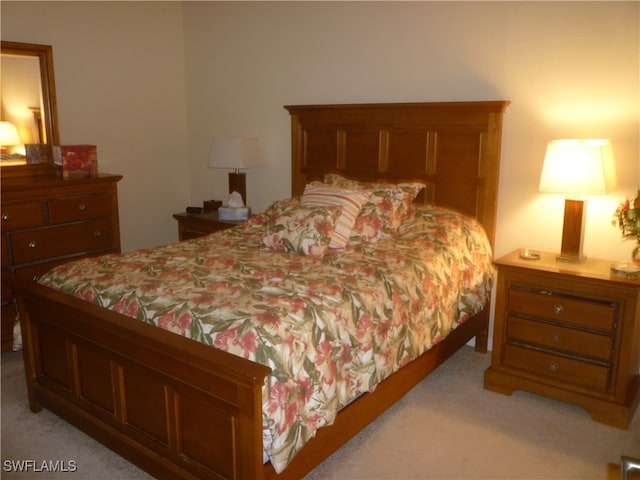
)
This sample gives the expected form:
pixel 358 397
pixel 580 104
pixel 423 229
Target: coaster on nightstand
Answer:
pixel 625 270
pixel 527 254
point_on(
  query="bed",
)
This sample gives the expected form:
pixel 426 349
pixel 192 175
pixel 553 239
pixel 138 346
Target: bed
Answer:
pixel 180 408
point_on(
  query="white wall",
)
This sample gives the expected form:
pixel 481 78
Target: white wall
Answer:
pixel 120 82
pixel 569 69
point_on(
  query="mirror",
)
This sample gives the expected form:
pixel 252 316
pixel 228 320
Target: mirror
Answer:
pixel 28 103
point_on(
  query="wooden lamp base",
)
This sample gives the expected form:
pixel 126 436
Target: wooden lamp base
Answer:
pixel 572 231
pixel 238 183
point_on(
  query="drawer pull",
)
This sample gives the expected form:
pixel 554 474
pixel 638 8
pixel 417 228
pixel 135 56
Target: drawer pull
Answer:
pixel 97 234
pixel 82 207
pixel 33 244
pixel 558 309
pixel 555 337
pixel 553 367
pixel 5 217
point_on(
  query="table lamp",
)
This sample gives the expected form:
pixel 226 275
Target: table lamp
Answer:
pixel 577 167
pixel 236 153
pixel 8 136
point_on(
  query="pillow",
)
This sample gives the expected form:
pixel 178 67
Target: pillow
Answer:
pixel 387 208
pixel 350 201
pixel 301 229
pixel 274 210
pixel 410 188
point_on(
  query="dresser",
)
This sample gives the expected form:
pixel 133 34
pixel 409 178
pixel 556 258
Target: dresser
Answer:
pixel 570 332
pixel 193 225
pixel 47 221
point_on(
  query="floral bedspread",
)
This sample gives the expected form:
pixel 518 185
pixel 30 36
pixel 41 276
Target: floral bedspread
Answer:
pixel 331 328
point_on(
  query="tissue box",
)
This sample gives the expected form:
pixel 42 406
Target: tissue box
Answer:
pixel 233 213
pixel 77 160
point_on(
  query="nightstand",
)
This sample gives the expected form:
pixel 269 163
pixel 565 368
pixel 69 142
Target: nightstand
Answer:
pixel 569 332
pixel 193 225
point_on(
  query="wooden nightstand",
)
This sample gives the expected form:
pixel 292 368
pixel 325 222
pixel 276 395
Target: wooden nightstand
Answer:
pixel 193 225
pixel 570 332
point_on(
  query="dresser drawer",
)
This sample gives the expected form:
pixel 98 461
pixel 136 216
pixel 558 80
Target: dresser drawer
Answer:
pixel 34 272
pixel 557 337
pixel 71 209
pixel 543 364
pixel 22 215
pixel 573 310
pixel 4 252
pixel 29 246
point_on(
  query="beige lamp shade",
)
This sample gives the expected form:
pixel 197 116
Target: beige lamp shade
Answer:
pixel 9 135
pixel 235 152
pixel 578 167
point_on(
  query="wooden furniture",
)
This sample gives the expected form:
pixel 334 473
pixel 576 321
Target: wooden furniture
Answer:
pixel 104 372
pixel 46 221
pixel 45 120
pixel 193 225
pixel 569 331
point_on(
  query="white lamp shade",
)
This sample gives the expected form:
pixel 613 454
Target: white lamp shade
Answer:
pixel 578 167
pixel 235 152
pixel 9 135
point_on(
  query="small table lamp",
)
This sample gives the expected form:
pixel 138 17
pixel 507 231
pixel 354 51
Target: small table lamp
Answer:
pixel 8 136
pixel 236 153
pixel 577 167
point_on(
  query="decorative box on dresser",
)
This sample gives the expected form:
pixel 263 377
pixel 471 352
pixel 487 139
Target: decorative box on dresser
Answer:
pixel 47 221
pixel 569 331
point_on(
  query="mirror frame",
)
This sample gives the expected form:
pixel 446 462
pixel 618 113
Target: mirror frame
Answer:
pixel 50 118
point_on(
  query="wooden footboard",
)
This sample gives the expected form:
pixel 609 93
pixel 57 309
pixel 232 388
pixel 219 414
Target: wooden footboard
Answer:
pixel 175 407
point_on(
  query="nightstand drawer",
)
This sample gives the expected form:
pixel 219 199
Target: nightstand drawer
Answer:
pixel 198 225
pixel 71 209
pixel 577 311
pixel 559 368
pixel 557 337
pixel 29 246
pixel 22 215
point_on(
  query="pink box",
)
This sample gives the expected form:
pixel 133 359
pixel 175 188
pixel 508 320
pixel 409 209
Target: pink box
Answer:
pixel 79 160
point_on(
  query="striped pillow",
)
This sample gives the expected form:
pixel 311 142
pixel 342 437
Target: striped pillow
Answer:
pixel 351 201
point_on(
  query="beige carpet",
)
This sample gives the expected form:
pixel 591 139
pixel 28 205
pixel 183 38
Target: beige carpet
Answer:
pixel 448 427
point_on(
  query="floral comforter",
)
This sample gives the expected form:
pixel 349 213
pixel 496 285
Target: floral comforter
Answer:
pixel 330 328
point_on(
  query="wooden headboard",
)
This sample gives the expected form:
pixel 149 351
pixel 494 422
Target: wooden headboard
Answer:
pixel 452 147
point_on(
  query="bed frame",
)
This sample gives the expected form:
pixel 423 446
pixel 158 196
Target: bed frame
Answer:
pixel 181 409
